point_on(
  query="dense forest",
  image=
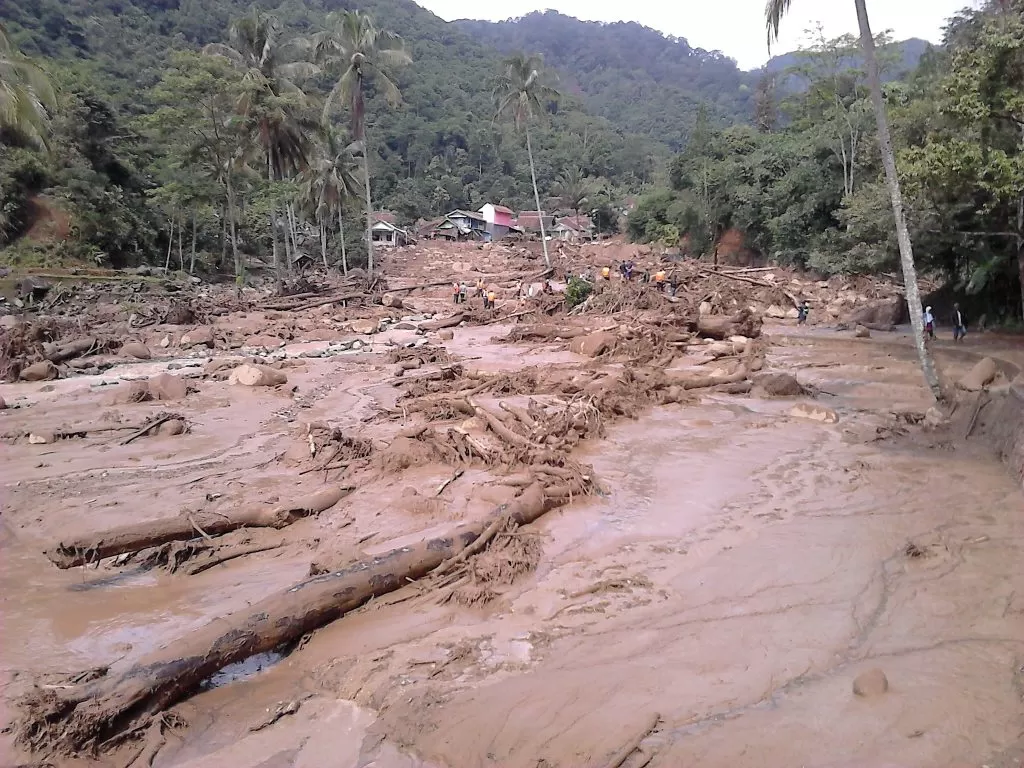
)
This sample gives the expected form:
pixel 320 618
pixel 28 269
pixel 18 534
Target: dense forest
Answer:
pixel 181 130
pixel 804 182
pixel 128 74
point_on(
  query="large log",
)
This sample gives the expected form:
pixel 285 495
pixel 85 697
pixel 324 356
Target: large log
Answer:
pixel 58 353
pixel 68 719
pixel 743 323
pixel 136 537
pixel 444 322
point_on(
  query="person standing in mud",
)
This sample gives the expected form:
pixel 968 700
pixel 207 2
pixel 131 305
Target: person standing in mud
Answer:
pixel 801 312
pixel 456 291
pixel 929 322
pixel 959 324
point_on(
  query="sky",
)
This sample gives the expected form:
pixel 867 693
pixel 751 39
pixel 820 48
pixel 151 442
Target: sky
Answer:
pixel 735 27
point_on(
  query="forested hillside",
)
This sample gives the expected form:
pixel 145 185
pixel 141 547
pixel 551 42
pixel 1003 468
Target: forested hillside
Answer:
pixel 805 183
pixel 437 150
pixel 636 77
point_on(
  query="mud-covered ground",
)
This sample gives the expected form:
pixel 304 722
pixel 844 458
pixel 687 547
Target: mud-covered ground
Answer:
pixel 737 563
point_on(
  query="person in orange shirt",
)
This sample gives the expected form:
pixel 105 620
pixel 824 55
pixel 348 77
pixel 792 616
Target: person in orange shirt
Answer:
pixel 606 273
pixel 659 279
pixel 489 300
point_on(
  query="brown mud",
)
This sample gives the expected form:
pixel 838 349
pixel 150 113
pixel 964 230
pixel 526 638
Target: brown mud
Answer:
pixel 719 571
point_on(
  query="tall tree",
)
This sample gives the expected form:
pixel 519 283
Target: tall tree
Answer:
pixel 26 96
pixel 359 52
pixel 774 11
pixel 271 101
pixel 521 95
pixel 328 183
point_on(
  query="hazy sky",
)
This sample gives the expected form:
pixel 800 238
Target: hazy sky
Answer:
pixel 735 27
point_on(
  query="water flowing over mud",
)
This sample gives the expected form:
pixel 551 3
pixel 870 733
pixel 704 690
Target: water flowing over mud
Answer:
pixel 752 581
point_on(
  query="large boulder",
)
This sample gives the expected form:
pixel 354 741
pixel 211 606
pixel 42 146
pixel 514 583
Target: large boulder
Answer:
pixel 366 326
pixel 884 313
pixel 44 370
pixel 778 384
pixel 870 683
pixel 137 350
pixel 165 386
pixel 257 376
pixel 861 332
pixel 593 344
pixel 201 336
pixel 982 374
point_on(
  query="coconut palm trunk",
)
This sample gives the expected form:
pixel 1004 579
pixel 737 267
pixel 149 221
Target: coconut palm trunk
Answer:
pixel 369 212
pixel 867 42
pixel 341 236
pixel 273 229
pixel 536 198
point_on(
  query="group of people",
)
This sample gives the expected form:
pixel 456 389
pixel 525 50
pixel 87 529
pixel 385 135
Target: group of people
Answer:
pixel 660 278
pixel 460 291
pixel 959 323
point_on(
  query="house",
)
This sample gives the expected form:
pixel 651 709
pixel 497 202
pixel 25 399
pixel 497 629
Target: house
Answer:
pixel 458 225
pixel 384 232
pixel 573 229
pixel 529 221
pixel 498 219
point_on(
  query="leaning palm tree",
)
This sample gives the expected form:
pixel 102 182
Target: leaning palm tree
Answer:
pixel 26 96
pixel 271 101
pixel 327 184
pixel 573 189
pixel 357 51
pixel 521 95
pixel 774 11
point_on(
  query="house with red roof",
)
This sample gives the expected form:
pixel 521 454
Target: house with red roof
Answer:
pixel 498 219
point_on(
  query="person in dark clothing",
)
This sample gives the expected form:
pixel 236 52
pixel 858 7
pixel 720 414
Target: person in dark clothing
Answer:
pixel 802 312
pixel 959 324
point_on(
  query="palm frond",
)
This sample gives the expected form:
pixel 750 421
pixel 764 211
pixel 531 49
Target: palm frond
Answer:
pixel 774 10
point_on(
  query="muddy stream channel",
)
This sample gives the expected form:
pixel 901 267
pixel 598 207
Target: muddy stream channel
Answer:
pixel 738 570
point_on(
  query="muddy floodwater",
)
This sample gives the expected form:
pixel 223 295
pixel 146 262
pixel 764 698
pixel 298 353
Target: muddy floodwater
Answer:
pixel 739 569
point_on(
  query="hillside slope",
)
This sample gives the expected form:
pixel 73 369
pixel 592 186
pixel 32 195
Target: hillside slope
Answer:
pixel 635 76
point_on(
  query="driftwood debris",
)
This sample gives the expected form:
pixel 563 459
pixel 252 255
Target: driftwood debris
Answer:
pixel 743 323
pixel 72 349
pixel 67 720
pixel 138 536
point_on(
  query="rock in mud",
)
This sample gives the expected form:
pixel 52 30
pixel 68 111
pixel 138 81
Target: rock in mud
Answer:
pixel 446 334
pixel 778 384
pixel 367 326
pixel 933 418
pixel 705 308
pixel 3 404
pixel 983 372
pixel 775 312
pixel 392 300
pixel 44 370
pixel 739 344
pixel 164 386
pixel 165 342
pixel 201 336
pixel 172 427
pixel 871 683
pixel 264 342
pixel 861 332
pixel 592 344
pixel 257 376
pixel 888 312
pixel 137 350
pixel 720 349
pixel 814 413
pixel 40 438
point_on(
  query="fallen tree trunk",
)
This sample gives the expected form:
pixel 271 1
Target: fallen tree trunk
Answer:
pixel 133 538
pixel 76 348
pixel 445 322
pixel 284 307
pixel 743 323
pixel 69 719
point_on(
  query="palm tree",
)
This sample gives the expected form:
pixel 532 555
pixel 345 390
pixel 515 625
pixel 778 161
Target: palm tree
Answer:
pixel 271 101
pixel 358 51
pixel 774 11
pixel 521 95
pixel 574 189
pixel 329 181
pixel 26 96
